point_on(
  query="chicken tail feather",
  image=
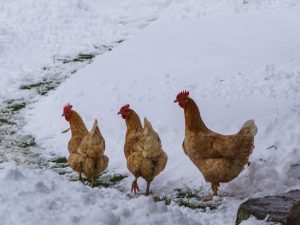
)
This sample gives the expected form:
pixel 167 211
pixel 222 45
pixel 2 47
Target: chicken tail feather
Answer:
pixel 249 126
pixel 247 133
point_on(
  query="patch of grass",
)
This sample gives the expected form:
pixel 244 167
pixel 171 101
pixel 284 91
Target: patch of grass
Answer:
pixel 196 205
pixel 42 87
pixel 6 121
pixel 83 57
pixel 60 163
pixel 109 181
pixel 45 90
pixel 60 160
pixel 165 199
pixel 100 183
pixel 116 178
pixel 17 107
pixel 60 166
pixel 187 197
pixel 187 193
pixel 31 86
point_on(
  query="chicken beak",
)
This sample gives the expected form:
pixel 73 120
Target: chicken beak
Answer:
pixel 175 101
pixel 63 114
pixel 119 113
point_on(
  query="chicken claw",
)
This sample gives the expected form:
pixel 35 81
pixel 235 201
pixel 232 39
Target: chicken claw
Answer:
pixel 214 188
pixel 135 187
pixel 207 198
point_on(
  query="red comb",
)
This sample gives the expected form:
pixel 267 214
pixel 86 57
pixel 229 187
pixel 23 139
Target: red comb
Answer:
pixel 67 108
pixel 124 107
pixel 182 94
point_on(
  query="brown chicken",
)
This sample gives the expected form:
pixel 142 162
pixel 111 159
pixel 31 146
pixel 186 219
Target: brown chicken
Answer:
pixel 92 148
pixel 220 158
pixel 143 150
pixel 86 148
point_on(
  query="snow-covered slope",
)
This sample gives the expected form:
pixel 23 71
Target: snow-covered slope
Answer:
pixel 34 33
pixel 236 67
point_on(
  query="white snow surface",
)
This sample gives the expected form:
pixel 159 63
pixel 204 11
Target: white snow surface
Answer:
pixel 239 62
pixel 33 33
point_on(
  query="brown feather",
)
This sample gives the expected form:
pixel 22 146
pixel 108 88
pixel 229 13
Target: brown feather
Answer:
pixel 220 158
pixel 93 147
pixel 86 148
pixel 142 149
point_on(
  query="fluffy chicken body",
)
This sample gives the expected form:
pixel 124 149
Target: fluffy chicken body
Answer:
pixel 142 149
pixel 92 149
pixel 220 158
pixel 86 148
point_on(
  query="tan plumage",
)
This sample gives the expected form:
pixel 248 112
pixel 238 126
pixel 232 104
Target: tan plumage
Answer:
pixel 78 131
pixel 86 148
pixel 145 157
pixel 92 148
pixel 220 158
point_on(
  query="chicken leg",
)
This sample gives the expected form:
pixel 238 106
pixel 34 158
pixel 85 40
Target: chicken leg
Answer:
pixel 93 181
pixel 148 188
pixel 134 186
pixel 214 188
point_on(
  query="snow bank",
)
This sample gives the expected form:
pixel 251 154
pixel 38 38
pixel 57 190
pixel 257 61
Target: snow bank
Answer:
pixel 33 32
pixel 43 197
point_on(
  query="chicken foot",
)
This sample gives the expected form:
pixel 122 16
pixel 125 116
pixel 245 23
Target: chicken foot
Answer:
pixel 214 188
pixel 134 186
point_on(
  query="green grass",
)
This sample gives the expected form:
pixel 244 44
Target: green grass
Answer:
pixel 117 178
pixel 45 90
pixel 165 199
pixel 6 121
pixel 60 163
pixel 83 57
pixel 60 160
pixel 109 181
pixel 31 86
pixel 42 87
pixel 17 107
pixel 187 193
pixel 187 197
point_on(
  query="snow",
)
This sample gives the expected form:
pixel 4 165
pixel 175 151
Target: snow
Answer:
pixel 57 200
pixel 239 62
pixel 34 33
